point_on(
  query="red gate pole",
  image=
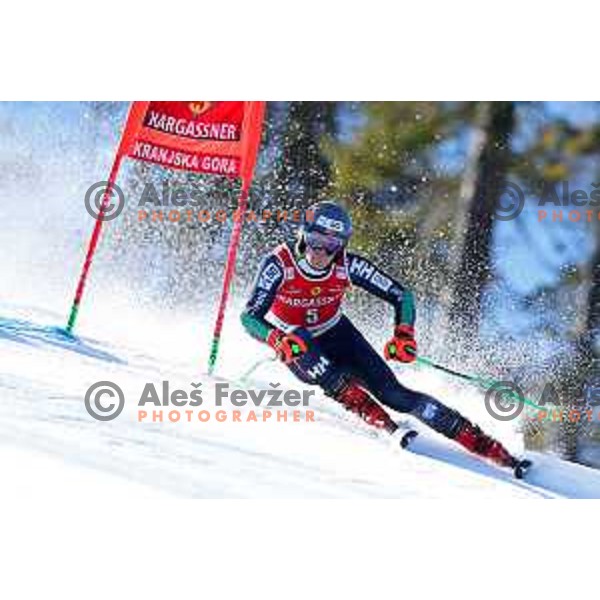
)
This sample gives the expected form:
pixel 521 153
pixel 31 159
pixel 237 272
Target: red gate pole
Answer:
pixel 133 123
pixel 93 243
pixel 229 271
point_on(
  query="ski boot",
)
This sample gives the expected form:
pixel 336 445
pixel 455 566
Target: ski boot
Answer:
pixel 475 440
pixel 357 400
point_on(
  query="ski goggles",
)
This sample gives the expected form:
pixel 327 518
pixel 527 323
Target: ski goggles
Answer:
pixel 320 241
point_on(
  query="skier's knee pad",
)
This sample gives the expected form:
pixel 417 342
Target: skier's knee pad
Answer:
pixel 439 417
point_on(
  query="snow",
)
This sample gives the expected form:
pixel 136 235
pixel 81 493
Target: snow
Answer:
pixel 28 473
pixel 49 442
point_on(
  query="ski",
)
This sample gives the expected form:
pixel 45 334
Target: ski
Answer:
pixel 407 438
pixel 403 436
pixel 521 468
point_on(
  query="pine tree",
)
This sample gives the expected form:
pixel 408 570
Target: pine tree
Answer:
pixel 480 193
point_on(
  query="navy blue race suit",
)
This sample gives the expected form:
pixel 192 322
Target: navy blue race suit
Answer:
pixel 338 352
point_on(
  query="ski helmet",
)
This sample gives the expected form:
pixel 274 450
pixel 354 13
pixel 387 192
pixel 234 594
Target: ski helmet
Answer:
pixel 326 220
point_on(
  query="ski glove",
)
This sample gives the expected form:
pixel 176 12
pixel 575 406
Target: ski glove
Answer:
pixel 403 346
pixel 288 346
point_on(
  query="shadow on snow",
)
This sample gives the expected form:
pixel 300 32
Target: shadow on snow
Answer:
pixel 26 332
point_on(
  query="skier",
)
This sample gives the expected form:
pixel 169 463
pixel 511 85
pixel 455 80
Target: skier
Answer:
pixel 295 307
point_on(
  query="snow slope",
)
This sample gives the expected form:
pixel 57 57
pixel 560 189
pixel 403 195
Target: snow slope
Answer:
pixel 48 441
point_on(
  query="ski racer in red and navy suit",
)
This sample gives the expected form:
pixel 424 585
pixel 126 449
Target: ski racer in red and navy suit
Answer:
pixel 296 308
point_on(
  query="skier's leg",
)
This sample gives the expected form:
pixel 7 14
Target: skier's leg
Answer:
pixel 323 364
pixel 380 380
pixel 315 366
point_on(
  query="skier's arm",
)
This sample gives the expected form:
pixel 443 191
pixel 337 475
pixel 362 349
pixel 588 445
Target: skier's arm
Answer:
pixel 287 346
pixel 268 280
pixel 364 274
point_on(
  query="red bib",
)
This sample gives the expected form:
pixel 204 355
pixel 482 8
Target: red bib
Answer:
pixel 311 302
